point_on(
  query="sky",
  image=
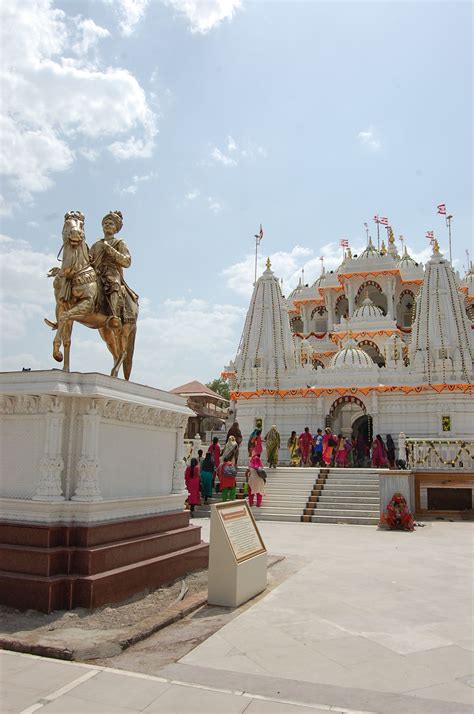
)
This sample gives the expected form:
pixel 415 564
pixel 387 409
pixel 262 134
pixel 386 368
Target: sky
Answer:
pixel 201 120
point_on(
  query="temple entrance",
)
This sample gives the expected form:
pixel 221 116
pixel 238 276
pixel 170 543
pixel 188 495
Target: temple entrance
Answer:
pixel 345 414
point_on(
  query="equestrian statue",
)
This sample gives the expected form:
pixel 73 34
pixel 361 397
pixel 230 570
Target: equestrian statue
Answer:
pixel 89 288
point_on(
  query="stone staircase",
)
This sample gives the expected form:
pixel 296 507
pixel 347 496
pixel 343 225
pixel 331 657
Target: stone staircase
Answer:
pixel 344 496
pixel 314 495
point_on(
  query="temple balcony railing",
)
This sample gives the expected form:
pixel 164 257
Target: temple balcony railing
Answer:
pixel 438 454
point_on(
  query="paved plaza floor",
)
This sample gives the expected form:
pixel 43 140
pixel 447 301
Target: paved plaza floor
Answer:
pixel 373 622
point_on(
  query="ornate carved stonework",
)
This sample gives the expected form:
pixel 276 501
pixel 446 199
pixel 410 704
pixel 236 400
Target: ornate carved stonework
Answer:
pixel 88 480
pixel 137 414
pixel 51 464
pixel 49 486
pixel 178 477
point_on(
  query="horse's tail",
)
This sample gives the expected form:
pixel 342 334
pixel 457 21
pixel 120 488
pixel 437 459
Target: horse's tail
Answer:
pixel 127 363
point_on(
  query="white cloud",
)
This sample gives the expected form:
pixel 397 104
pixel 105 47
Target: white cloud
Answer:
pixel 249 153
pixel 51 102
pixel 132 188
pixel 220 158
pixel 214 205
pixel 89 35
pixel 26 292
pixel 129 12
pixel 204 15
pixel 192 195
pixel 369 139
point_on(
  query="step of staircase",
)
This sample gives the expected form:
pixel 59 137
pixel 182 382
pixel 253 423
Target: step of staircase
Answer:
pixel 315 495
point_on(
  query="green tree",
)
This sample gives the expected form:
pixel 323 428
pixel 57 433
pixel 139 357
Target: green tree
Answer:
pixel 220 386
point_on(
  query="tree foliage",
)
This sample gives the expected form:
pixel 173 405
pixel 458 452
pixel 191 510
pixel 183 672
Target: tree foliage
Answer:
pixel 220 386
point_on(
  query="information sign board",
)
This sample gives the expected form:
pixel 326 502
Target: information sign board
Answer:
pixel 241 530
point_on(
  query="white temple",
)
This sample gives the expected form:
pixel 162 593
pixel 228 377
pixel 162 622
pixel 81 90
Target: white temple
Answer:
pixel 380 345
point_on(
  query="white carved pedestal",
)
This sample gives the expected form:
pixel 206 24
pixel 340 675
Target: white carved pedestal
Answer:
pixel 87 461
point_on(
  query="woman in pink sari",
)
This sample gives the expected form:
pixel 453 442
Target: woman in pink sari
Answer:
pixel 341 452
pixel 329 442
pixel 257 446
pixel 379 453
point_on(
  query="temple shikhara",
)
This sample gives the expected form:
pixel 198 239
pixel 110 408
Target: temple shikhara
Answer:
pixel 382 345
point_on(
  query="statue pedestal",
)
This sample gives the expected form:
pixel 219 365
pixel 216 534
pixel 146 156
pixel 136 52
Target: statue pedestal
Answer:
pixel 92 483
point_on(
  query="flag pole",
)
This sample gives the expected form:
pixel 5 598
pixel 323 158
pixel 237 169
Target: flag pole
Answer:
pixel 378 235
pixel 367 232
pixel 256 253
pixel 448 223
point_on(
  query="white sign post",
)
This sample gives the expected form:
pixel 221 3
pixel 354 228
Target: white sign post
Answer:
pixel 237 555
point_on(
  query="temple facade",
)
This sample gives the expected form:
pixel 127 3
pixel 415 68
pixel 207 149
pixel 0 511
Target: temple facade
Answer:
pixel 381 345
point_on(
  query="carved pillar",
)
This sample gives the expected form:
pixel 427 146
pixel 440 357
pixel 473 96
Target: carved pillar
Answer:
pixel 87 488
pixel 375 413
pixel 304 315
pixel 391 298
pixel 51 464
pixel 349 291
pixel 179 464
pixel 330 309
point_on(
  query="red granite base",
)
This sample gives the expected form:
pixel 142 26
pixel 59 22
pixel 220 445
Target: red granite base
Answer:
pixel 55 567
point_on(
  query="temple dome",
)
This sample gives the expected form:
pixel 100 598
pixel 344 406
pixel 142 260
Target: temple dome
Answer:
pixel 406 261
pixel 351 357
pixel 368 311
pixel 369 253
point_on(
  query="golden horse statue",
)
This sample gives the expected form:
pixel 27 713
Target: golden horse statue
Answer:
pixel 89 288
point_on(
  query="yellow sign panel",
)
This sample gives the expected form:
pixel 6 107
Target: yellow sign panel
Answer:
pixel 446 423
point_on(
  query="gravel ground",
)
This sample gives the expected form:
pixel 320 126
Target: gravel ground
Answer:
pixel 124 614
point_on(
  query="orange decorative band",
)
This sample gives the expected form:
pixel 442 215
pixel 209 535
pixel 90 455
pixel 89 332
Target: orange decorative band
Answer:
pixel 345 391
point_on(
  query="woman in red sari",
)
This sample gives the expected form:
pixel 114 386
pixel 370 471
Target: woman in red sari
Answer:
pixel 329 442
pixel 306 442
pixel 192 481
pixel 379 452
pixel 341 452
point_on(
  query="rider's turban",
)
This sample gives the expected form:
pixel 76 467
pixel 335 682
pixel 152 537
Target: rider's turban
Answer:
pixel 117 218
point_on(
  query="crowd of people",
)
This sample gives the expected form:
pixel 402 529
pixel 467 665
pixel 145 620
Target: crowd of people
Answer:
pixel 324 448
pixel 217 470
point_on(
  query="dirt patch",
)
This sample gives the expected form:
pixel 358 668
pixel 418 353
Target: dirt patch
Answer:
pixel 83 634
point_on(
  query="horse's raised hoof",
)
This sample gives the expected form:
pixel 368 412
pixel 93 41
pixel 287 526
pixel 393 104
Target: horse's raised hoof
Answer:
pixel 52 325
pixel 58 355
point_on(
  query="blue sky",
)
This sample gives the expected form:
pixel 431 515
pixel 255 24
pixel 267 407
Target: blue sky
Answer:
pixel 201 120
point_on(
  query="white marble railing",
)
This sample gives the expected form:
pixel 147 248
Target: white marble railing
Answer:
pixel 438 454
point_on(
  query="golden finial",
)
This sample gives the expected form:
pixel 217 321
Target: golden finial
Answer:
pixel 391 237
pixel 268 264
pixel 349 253
pixel 383 249
pixel 435 247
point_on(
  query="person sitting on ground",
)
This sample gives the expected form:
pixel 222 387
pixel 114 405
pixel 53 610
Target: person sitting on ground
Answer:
pixel 191 479
pixel 256 481
pixel 207 476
